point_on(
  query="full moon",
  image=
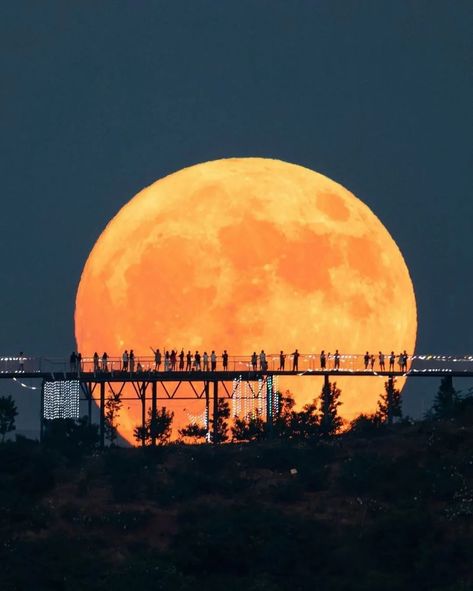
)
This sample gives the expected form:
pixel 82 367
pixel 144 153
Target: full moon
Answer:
pixel 247 254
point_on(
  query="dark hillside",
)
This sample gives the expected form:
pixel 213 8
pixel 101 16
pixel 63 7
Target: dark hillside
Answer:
pixel 390 511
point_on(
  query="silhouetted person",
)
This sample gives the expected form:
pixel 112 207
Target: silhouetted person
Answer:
pixel 132 361
pixel 157 360
pixel 323 360
pixel 400 361
pixel 295 360
pixel 405 357
pixel 225 360
pixel 125 360
pixel 366 359
pixel 181 360
pixel 197 361
pixel 173 358
pixel 262 360
pixel 372 360
pixel 167 361
pixel 392 359
pixel 96 361
pixel 254 361
pixel 188 361
pixel 381 362
pixel 21 362
pixel 79 362
pixel 205 361
pixel 73 361
pixel 337 359
pixel 282 360
pixel 105 362
pixel 213 361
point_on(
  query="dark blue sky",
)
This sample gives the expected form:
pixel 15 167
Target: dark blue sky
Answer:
pixel 99 99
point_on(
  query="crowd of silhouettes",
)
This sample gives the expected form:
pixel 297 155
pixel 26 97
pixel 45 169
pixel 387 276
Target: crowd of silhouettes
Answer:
pixel 174 361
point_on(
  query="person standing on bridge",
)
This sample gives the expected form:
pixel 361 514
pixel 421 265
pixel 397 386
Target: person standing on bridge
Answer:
pixel 188 361
pixel 79 362
pixel 157 359
pixel 132 360
pixel 104 361
pixel 366 360
pixel 337 359
pixel 262 360
pixel 392 359
pixel 400 361
pixel 372 360
pixel 225 360
pixel 96 361
pixel 213 361
pixel 205 359
pixel 173 358
pixel 295 360
pixel 125 360
pixel 167 361
pixel 405 358
pixel 282 360
pixel 73 361
pixel 181 360
pixel 197 361
pixel 381 361
pixel 323 360
pixel 254 361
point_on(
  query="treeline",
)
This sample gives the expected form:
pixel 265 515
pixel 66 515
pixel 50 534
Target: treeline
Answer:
pixel 319 419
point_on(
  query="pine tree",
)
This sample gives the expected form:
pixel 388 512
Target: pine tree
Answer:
pixel 219 423
pixel 8 412
pixel 447 401
pixel 390 405
pixel 248 429
pixel 193 431
pixel 330 422
pixel 282 418
pixel 304 424
pixel 113 406
pixel 158 427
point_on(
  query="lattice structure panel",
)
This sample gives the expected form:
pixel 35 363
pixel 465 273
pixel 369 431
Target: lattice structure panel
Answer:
pixel 61 399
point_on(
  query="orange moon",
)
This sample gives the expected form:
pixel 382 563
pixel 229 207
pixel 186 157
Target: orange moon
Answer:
pixel 247 254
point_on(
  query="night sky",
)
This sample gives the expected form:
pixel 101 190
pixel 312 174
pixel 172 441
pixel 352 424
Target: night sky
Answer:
pixel 100 99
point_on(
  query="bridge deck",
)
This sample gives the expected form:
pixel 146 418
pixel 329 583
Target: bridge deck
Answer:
pixel 222 376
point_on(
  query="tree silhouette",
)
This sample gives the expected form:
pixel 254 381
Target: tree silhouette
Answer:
pixel 305 423
pixel 248 429
pixel 113 405
pixel 390 407
pixel 330 422
pixel 283 415
pixel 219 423
pixel 193 431
pixel 447 402
pixel 158 427
pixel 8 412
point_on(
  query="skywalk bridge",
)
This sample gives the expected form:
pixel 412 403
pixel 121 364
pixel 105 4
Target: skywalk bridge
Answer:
pixel 63 385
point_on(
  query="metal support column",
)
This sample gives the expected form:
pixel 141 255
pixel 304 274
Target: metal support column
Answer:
pixel 154 402
pixel 215 414
pixel 41 413
pixel 89 402
pixel 143 413
pixel 207 410
pixel 102 414
pixel 269 403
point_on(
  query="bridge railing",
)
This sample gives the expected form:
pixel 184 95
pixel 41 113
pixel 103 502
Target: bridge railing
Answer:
pixel 307 362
